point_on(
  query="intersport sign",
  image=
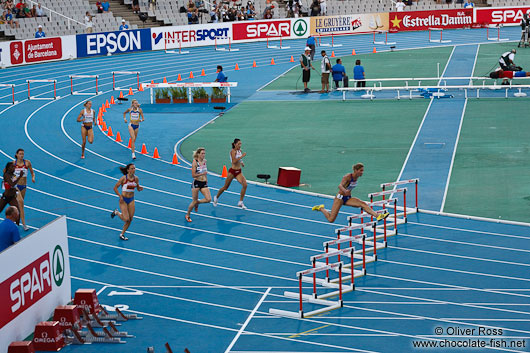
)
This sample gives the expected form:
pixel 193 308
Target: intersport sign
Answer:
pixel 422 20
pixel 504 15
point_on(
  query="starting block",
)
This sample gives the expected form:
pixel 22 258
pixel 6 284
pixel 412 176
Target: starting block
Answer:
pixel 73 92
pixel 114 73
pixel 29 82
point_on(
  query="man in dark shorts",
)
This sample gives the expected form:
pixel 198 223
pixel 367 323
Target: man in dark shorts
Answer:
pixel 305 62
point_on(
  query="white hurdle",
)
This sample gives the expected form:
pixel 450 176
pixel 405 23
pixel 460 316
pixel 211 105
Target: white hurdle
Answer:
pixel 73 92
pixel 406 210
pixel 386 42
pixel 331 45
pixel 43 98
pixel 114 73
pixel 276 46
pixel 498 37
pixel 441 40
pixel 391 192
pixel 171 49
pixel 12 85
pixel 217 48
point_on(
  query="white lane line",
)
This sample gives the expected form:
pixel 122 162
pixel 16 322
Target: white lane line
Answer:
pixel 482 232
pixel 247 321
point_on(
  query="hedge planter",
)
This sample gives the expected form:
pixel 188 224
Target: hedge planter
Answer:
pixel 200 100
pixel 163 100
pixel 180 100
pixel 218 100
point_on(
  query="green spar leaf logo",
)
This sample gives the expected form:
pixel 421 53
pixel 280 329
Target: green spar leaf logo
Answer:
pixel 300 28
pixel 58 269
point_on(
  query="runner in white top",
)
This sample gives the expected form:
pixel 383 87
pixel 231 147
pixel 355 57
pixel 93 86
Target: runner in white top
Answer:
pixel 88 118
pixel 236 157
pixel 199 172
pixel 22 166
pixel 347 184
pixel 136 116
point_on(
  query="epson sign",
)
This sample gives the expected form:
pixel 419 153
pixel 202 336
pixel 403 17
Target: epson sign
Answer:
pixel 113 42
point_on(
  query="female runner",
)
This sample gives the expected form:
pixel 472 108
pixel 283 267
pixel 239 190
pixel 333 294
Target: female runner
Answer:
pixel 21 169
pixel 134 125
pixel 347 184
pixel 200 181
pixel 88 117
pixel 128 183
pixel 236 157
pixel 10 191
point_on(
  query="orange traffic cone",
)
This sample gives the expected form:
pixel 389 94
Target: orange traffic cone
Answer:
pixel 225 172
pixel 104 127
pixel 374 51
pixel 203 73
pixel 118 137
pixel 144 149
pixel 353 52
pixel 130 92
pixel 130 143
pixel 121 94
pixel 332 54
pixel 237 67
pixel 155 154
pixel 112 100
pixel 292 59
pixel 141 88
pixel 164 80
pixel 109 133
pixel 254 64
pixel 179 78
pixel 272 61
pixel 107 105
pixel 103 109
pixel 191 74
pixel 152 82
pixel 175 159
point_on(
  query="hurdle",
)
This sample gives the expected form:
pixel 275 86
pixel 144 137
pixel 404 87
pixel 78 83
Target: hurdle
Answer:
pixel 414 181
pixel 391 192
pixel 385 226
pixel 498 37
pixel 171 51
pixel 386 42
pixel 331 45
pixel 114 73
pixel 12 85
pixel 276 46
pixel 441 40
pixel 43 98
pixel 217 48
pixel 83 93
pixel 314 298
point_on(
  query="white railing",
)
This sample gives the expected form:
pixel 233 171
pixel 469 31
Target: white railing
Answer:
pixel 55 13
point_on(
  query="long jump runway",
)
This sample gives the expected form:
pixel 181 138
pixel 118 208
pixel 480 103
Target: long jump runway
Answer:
pixel 209 285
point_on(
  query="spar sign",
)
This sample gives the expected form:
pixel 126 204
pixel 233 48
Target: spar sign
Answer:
pixel 35 278
pixel 255 30
pixel 423 20
pixel 501 15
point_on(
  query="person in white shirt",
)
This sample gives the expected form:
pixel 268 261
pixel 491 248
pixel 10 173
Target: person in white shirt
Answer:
pixel 88 22
pixel 123 26
pixel 323 8
pixel 39 12
pixel 325 68
pixel 400 6
pixel 469 4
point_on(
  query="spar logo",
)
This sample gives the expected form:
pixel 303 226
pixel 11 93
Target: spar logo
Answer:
pixel 264 29
pixel 58 265
pixel 300 28
pixel 502 15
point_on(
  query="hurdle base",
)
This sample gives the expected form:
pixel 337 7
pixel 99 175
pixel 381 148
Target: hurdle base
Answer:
pixel 291 314
pixel 439 41
pixel 177 52
pixel 12 103
pixel 498 39
pixel 43 99
pixel 77 93
pixel 226 49
pixel 313 300
pixel 385 43
pixel 277 47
